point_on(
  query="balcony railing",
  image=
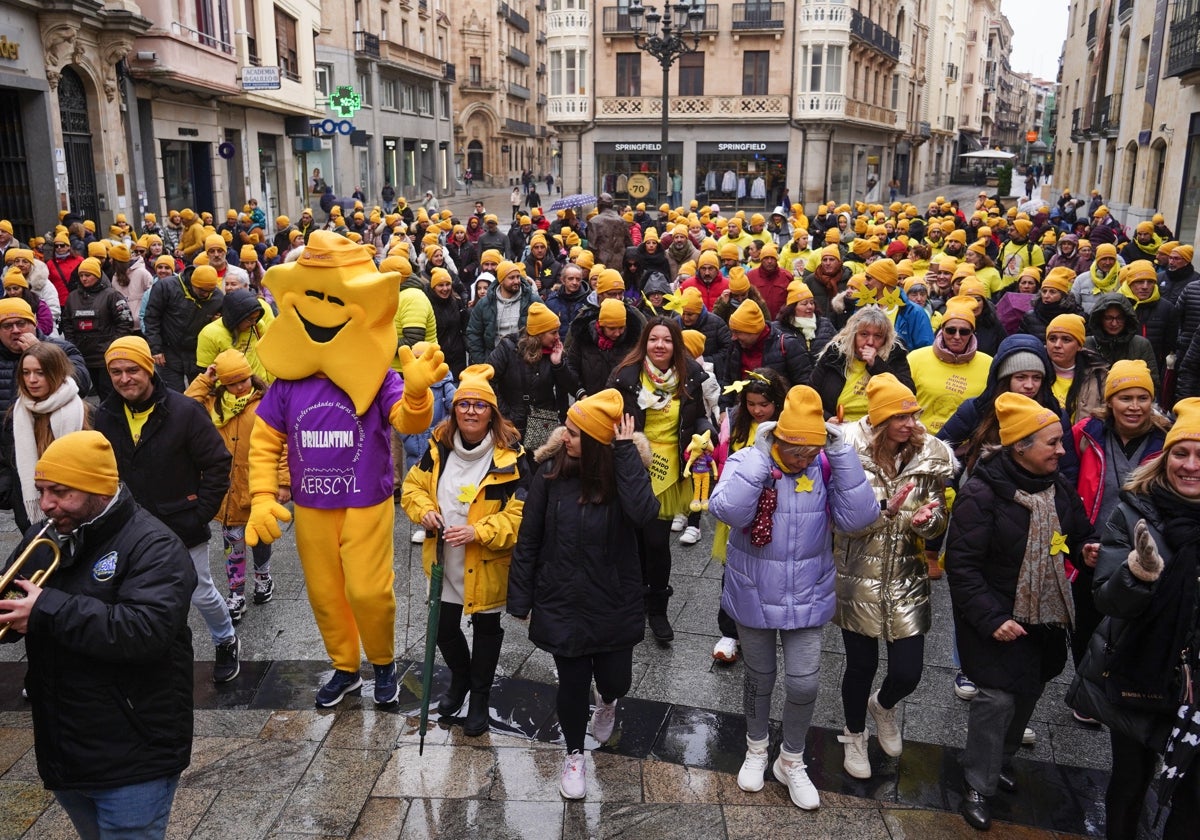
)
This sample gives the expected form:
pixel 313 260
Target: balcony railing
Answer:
pixel 951 72
pixel 449 73
pixel 517 127
pixel 858 110
pixel 519 56
pixel 541 38
pixel 513 17
pixel 1111 121
pixel 1183 48
pixel 1124 10
pixel 541 100
pixel 541 68
pixel 1076 127
pixel 519 91
pixel 948 123
pixel 749 16
pixel 743 108
pixel 874 35
pixel 423 8
pixel 569 22
pixel 206 39
pixel 569 108
pixel 615 20
pixel 366 44
pixel 968 79
pixel 923 129
pixel 824 13
pixel 1091 30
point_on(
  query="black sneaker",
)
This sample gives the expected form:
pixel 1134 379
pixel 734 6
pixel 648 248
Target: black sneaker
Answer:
pixel 339 685
pixel 264 589
pixel 387 691
pixel 227 666
pixel 661 628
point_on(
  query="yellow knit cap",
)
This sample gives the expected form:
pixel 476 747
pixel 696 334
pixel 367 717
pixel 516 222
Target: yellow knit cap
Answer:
pixel 540 319
pixel 729 251
pixel 90 266
pixel 693 301
pixel 739 283
pixel 82 461
pixel 96 250
pixel 131 348
pixel 216 241
pixel 15 307
pixel 1140 270
pixel 1186 252
pixel 610 280
pixel 120 252
pixel 232 366
pixel 694 341
pixel 506 268
pixel 437 276
pixel 585 260
pixel 14 277
pixel 802 421
pixel 248 254
pixel 1061 278
pixel 1128 373
pixel 491 255
pixel 748 318
pixel 957 235
pixel 474 383
pixel 884 270
pixel 204 277
pixel 612 313
pixel 797 291
pixel 887 396
pixel 1022 226
pixel 972 287
pixel 1020 417
pixel 961 308
pixel 598 414
pixel 1072 325
pixel 709 258
pixel 1187 423
pixel 1106 249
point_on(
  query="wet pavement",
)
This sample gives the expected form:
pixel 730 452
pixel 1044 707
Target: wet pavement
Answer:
pixel 266 764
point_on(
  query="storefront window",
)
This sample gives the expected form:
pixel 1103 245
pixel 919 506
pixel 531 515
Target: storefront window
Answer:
pixel 617 163
pixel 840 167
pixel 737 174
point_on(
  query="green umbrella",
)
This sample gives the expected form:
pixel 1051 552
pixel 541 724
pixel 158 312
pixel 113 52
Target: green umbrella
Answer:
pixel 431 631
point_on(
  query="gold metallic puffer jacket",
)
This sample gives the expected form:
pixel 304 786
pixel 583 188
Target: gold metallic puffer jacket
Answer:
pixel 882 582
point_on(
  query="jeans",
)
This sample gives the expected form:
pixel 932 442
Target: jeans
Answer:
pixel 207 599
pixel 801 668
pixel 613 673
pixel 132 812
pixel 905 659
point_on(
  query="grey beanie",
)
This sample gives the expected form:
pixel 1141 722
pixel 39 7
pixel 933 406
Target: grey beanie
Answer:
pixel 1023 360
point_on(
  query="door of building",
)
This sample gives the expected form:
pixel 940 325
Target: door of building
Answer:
pixel 475 160
pixel 77 145
pixel 15 202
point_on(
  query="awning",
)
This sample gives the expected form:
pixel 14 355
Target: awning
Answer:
pixel 969 142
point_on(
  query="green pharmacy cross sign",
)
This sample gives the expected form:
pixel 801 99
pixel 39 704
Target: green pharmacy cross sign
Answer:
pixel 345 101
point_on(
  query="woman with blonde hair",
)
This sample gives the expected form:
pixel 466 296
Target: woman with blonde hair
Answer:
pixel 867 346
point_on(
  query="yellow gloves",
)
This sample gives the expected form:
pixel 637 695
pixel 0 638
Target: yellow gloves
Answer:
pixel 266 448
pixel 420 373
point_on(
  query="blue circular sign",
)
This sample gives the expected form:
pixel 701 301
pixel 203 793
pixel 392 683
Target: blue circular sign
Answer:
pixel 226 150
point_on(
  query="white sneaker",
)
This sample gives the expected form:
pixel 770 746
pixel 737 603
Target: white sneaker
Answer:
pixel 800 787
pixel 1028 737
pixel 855 761
pixel 572 784
pixel 726 650
pixel 679 522
pixel 754 766
pixel 885 727
pixel 690 536
pixel 604 719
pixel 418 536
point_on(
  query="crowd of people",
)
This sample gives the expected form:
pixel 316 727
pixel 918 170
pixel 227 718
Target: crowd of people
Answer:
pixel 861 399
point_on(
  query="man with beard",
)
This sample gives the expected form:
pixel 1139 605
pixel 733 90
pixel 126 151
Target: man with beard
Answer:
pixel 770 280
pixel 492 238
pixel 709 281
pixel 828 279
pixel 1143 246
pixel 681 249
pixel 597 341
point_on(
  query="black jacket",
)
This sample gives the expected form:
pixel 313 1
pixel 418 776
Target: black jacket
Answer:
pixel 989 332
pixel 93 318
pixel 8 369
pixel 1038 318
pixel 692 419
pixel 520 386
pixel 1128 344
pixel 174 316
pixel 588 366
pixel 985 546
pixel 576 566
pixel 493 241
pixel 1158 323
pixel 824 334
pixel 1187 306
pixel 110 655
pixel 179 468
pixel 781 352
pixel 829 374
pixel 451 314
pixel 716 340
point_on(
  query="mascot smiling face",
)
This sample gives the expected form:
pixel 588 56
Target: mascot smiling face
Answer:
pixel 336 314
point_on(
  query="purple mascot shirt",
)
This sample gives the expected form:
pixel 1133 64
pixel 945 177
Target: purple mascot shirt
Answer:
pixel 336 458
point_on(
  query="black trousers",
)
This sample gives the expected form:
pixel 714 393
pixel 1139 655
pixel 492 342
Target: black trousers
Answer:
pixel 1087 617
pixel 613 673
pixel 654 550
pixel 905 660
pixel 1133 769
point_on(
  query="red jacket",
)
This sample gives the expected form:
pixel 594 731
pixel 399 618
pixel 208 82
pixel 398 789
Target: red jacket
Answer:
pixel 61 271
pixel 709 293
pixel 773 287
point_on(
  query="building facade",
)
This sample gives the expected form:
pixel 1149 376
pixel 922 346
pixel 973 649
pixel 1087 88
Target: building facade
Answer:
pixel 1128 109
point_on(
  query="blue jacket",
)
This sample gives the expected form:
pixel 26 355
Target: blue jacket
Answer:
pixel 788 583
pixel 912 325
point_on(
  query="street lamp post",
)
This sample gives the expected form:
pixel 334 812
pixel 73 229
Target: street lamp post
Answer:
pixel 666 36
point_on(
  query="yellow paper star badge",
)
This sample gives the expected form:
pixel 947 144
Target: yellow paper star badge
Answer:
pixel 466 493
pixel 673 303
pixel 1058 544
pixel 864 296
pixel 891 299
pixel 804 484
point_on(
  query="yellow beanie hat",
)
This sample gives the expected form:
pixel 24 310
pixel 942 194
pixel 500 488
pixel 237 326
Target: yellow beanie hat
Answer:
pixel 585 260
pixel 739 283
pixel 961 308
pixel 1140 270
pixel 1186 252
pixel 165 259
pixel 99 250
pixel 1022 226
pixel 15 307
pixel 216 241
pixel 1106 249
pixel 506 268
pixel 204 277
pixel 972 287
pixel 802 421
pixel 1187 423
pixel 693 301
pixel 1060 278
pixel 957 235
pixel 1128 373
pixel 120 252
pixel 540 319
pixel 748 318
pixel 694 341
pixel 90 266
pixel 709 258
pixel 248 254
pixel 610 280
pixel 797 291
pixel 474 383
pixel 833 236
pixel 598 414
pixel 887 396
pixel 232 366
pixel 14 277
pixel 132 348
pixel 768 250
pixel 82 461
pixel 491 255
pixel 884 270
pixel 729 251
pixel 1070 324
pixel 1020 417
pixel 612 313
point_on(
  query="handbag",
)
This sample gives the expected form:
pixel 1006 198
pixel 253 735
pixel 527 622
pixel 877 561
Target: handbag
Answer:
pixel 539 423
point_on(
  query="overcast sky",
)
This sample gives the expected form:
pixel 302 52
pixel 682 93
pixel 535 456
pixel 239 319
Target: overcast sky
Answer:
pixel 1039 27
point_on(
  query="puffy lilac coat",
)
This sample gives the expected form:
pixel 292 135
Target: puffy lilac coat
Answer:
pixel 788 583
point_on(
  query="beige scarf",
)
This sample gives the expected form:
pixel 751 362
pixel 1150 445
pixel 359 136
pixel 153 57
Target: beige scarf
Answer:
pixel 1043 594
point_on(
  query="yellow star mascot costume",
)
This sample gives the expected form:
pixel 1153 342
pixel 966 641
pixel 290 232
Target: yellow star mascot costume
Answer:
pixel 332 403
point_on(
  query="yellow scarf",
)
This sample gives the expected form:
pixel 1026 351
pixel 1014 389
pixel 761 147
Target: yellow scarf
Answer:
pixel 231 407
pixel 662 430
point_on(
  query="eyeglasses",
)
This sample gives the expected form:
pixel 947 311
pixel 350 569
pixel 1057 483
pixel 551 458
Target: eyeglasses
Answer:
pixel 13 326
pixel 471 407
pixel 963 331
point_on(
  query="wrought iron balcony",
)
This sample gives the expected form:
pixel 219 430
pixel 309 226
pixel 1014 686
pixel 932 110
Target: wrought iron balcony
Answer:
pixel 757 15
pixel 1183 48
pixel 519 91
pixel 449 73
pixel 615 20
pixel 519 56
pixel 873 35
pixel 517 127
pixel 366 44
pixel 513 17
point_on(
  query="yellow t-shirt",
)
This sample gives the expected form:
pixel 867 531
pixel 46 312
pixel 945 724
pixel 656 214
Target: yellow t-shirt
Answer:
pixel 853 398
pixel 1060 388
pixel 942 387
pixel 136 421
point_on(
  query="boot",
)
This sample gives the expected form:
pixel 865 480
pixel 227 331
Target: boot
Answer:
pixel 935 569
pixel 483 670
pixel 457 656
pixel 656 613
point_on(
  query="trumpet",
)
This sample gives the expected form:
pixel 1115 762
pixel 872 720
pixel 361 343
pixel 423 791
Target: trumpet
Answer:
pixel 11 593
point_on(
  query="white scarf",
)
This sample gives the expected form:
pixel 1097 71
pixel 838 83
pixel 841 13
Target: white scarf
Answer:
pixel 66 416
pixel 807 326
pixel 458 486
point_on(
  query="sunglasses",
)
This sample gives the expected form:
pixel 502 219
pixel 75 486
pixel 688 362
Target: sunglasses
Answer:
pixel 963 331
